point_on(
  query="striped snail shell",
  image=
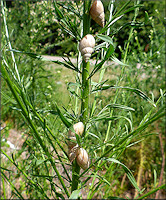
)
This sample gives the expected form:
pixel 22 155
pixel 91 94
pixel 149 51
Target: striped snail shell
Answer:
pixel 82 158
pixel 97 12
pixel 86 46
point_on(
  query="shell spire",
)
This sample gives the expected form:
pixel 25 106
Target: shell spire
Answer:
pixel 86 46
pixel 97 12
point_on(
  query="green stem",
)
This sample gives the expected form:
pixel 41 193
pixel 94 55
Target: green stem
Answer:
pixel 153 191
pixel 85 92
pixel 122 72
pixel 26 115
pixel 86 66
pixel 37 186
pixel 75 175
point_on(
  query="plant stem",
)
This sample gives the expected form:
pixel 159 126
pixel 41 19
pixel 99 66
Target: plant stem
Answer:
pixel 122 72
pixel 141 166
pixel 75 175
pixel 85 92
pixel 37 136
pixel 86 66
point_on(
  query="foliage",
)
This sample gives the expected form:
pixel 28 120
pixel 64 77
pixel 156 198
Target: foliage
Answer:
pixel 120 116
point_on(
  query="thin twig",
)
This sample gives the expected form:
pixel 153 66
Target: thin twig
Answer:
pixel 162 166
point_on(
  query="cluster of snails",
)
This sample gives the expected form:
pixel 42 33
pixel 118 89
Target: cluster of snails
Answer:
pixel 75 152
pixel 87 43
pixel 86 46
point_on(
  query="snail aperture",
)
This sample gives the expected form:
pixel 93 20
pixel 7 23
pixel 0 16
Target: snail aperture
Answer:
pixel 97 12
pixel 86 46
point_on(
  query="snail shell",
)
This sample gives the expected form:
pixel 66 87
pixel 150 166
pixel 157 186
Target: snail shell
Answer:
pixel 79 129
pixel 86 46
pixel 97 12
pixel 73 153
pixel 82 158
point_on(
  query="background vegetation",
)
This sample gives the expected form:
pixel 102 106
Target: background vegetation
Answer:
pixel 34 29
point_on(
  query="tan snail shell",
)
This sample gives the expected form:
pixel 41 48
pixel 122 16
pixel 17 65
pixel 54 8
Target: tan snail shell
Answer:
pixel 73 153
pixel 97 12
pixel 72 144
pixel 79 129
pixel 86 46
pixel 82 158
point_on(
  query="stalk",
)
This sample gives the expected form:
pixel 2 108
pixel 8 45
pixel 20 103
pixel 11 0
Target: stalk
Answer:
pixel 122 72
pixel 86 66
pixel 85 92
pixel 26 115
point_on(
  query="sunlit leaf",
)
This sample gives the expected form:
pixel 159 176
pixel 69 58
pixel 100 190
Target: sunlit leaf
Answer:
pixel 136 91
pixel 110 50
pixel 64 120
pixel 75 194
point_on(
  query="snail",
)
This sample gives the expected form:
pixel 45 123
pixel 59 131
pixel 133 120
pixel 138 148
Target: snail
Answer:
pixel 97 12
pixel 86 46
pixel 72 143
pixel 82 158
pixel 73 153
pixel 79 129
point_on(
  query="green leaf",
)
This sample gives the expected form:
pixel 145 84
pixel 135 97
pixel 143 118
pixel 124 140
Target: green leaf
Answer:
pixel 106 38
pixel 39 162
pixel 153 191
pixel 70 8
pixel 64 120
pixel 75 194
pixel 116 60
pixel 117 106
pixel 136 91
pixel 68 64
pixel 57 11
pixel 72 88
pixel 128 172
pixel 116 198
pixel 146 17
pixel 99 65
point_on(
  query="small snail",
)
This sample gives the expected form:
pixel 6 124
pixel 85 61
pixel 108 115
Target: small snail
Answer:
pixel 79 129
pixel 72 143
pixel 86 46
pixel 97 12
pixel 82 158
pixel 73 153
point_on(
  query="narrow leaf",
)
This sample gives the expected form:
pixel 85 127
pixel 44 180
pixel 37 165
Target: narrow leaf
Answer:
pixel 136 91
pixel 99 66
pixel 128 172
pixel 116 60
pixel 66 64
pixel 75 194
pixel 64 120
pixel 106 38
pixel 153 191
pixel 57 11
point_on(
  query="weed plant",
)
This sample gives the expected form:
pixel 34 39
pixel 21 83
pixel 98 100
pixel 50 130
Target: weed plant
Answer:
pixel 118 114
